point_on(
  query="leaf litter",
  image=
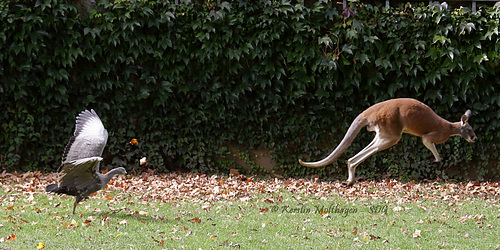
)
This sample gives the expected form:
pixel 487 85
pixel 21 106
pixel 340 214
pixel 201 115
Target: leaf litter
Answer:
pixel 173 187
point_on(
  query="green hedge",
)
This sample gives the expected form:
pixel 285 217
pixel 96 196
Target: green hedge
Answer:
pixel 190 80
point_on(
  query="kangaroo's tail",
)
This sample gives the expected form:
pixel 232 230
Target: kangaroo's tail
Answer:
pixel 353 130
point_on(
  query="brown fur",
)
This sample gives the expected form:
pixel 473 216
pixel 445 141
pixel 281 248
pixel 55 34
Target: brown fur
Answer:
pixel 390 119
pixel 410 116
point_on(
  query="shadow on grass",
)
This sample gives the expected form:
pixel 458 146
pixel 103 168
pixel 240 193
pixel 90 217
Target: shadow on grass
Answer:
pixel 122 214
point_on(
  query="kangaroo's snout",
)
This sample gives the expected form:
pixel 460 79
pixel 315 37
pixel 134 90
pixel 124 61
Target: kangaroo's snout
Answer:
pixel 472 139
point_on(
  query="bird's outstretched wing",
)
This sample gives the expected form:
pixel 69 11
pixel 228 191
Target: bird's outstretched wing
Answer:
pixel 89 139
pixel 80 175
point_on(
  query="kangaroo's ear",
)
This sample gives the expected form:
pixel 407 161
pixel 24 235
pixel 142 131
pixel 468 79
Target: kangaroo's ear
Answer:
pixel 466 116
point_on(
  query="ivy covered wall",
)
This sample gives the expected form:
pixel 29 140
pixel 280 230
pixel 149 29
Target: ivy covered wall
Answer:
pixel 190 81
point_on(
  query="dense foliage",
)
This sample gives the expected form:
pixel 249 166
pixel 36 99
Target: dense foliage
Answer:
pixel 189 80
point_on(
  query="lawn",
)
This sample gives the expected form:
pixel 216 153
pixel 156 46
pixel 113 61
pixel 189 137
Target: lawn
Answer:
pixel 191 211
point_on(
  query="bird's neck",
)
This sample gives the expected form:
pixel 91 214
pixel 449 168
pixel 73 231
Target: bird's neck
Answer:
pixel 108 176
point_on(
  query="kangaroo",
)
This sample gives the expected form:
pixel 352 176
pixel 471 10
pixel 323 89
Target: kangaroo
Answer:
pixel 390 119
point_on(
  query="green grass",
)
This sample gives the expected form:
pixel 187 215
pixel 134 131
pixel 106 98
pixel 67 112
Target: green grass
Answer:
pixel 429 217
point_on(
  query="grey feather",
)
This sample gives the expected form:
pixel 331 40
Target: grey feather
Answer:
pixel 89 139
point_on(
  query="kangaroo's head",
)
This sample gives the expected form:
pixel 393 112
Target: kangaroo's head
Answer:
pixel 466 130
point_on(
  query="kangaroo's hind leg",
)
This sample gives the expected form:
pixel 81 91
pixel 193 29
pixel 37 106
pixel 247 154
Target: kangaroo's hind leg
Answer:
pixel 379 143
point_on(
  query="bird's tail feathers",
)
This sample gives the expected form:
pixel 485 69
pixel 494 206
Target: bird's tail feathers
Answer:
pixel 52 188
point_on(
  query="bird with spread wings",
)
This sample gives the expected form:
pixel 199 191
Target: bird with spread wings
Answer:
pixel 81 160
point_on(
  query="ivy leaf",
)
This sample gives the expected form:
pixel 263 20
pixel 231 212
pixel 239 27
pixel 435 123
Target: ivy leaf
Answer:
pixel 165 43
pixel 357 24
pixel 143 94
pixel 371 39
pixel 347 48
pixel 327 41
pixel 352 34
pixel 441 39
pixel 480 58
pixel 466 27
pixel 216 14
pixel 433 95
pixel 383 63
pixel 362 58
pixel 225 6
pixel 93 32
pixel 451 55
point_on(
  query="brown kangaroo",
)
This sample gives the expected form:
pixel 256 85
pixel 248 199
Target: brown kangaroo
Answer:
pixel 390 119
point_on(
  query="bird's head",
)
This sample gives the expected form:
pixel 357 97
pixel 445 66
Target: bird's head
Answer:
pixel 120 170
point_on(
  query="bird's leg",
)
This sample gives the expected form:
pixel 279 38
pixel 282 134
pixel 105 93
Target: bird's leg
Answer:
pixel 78 199
pixel 74 207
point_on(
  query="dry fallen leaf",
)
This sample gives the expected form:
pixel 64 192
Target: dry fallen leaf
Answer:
pixel 397 209
pixel 416 234
pixel 195 220
pixel 160 242
pixel 11 237
pixel 41 245
pixel 234 172
pixel 143 161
